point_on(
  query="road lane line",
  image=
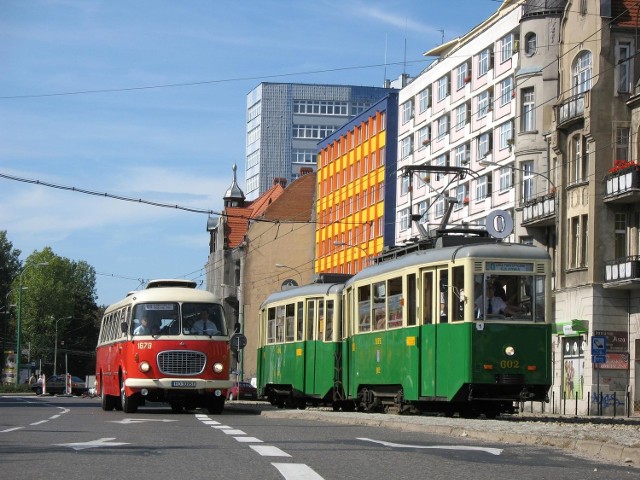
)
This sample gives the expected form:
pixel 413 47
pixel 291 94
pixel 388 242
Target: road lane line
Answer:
pixel 11 429
pixel 234 432
pixel 40 422
pixel 269 451
pixel 297 471
pixel 248 440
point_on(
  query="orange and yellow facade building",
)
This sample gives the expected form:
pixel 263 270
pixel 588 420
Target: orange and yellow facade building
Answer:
pixel 356 190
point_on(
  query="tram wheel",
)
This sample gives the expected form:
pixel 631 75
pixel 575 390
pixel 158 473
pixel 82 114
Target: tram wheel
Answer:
pixel 176 407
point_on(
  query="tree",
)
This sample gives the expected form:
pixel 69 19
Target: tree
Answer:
pixel 9 269
pixel 60 293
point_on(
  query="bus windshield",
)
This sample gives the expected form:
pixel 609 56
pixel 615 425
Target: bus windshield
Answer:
pixel 172 318
pixel 517 297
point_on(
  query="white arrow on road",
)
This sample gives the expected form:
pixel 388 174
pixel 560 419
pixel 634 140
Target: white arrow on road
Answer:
pixel 101 442
pixel 140 420
pixel 492 451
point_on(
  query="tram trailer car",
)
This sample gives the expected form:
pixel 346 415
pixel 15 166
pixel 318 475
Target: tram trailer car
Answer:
pixel 298 352
pixel 420 333
pixel 167 358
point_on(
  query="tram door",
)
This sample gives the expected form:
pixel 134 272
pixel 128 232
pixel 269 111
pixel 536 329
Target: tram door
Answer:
pixel 428 322
pixel 310 346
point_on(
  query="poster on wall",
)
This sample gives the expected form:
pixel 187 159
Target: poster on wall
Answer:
pixel 617 357
pixel 573 367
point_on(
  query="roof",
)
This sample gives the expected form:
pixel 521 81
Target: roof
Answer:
pixel 237 218
pixel 296 202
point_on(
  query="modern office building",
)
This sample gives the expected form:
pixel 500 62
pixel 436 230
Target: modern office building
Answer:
pixel 286 121
pixel 356 183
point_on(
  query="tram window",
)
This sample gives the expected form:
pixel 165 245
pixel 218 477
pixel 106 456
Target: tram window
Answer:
pixel 364 308
pixel 458 293
pixel 279 324
pixel 311 315
pixel 444 300
pixel 290 325
pixel 329 321
pixel 427 298
pixel 379 305
pixel 320 319
pixel 271 327
pixel 411 299
pixel 395 302
pixel 300 322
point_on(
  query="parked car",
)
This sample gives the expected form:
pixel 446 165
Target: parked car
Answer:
pixel 56 384
pixel 242 391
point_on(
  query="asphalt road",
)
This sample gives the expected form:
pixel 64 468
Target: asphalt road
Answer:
pixel 73 438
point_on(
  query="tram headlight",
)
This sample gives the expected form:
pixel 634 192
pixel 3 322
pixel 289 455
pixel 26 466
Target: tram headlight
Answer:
pixel 145 367
pixel 218 367
pixel 510 351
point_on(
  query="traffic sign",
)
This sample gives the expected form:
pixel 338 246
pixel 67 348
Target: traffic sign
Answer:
pixel 599 358
pixel 598 345
pixel 238 341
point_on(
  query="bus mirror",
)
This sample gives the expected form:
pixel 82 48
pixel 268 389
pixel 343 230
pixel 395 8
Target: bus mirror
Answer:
pixel 124 327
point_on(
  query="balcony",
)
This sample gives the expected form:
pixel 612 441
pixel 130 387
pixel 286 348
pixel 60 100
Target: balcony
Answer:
pixel 539 211
pixel 572 110
pixel 623 186
pixel 623 273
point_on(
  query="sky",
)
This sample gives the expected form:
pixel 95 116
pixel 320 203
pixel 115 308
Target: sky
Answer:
pixel 146 99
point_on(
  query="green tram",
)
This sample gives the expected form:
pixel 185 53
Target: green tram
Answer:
pixel 456 329
pixel 299 345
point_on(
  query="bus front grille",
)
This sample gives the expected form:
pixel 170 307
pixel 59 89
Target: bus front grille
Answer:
pixel 181 362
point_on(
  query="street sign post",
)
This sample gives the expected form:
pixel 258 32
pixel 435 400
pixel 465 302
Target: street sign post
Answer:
pixel 598 356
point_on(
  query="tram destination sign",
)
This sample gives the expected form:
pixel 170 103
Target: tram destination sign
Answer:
pixel 509 267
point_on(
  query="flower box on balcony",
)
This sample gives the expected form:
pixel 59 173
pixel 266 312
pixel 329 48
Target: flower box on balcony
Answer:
pixel 622 177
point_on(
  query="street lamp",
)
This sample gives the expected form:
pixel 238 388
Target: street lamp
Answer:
pixel 281 265
pixel 55 347
pixel 18 346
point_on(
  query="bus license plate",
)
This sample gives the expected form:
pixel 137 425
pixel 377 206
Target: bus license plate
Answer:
pixel 183 384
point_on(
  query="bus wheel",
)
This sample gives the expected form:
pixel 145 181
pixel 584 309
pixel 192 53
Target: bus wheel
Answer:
pixel 107 401
pixel 129 404
pixel 216 405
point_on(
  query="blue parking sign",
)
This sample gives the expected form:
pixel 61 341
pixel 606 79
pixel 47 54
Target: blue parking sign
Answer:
pixel 598 345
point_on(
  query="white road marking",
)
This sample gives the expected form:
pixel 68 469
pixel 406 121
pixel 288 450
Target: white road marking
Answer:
pixel 38 423
pixel 234 432
pixel 11 429
pixel 269 451
pixel 221 427
pixel 248 440
pixel 297 471
pixel 492 451
pixel 127 421
pixel 101 442
pixel 211 422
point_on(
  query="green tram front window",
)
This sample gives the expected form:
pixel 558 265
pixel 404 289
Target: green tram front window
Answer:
pixel 513 296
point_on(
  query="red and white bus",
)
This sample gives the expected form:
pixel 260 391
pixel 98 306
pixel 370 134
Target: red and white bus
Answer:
pixel 178 354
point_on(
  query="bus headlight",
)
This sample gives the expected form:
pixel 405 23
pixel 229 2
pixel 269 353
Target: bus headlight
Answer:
pixel 217 367
pixel 510 351
pixel 145 367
